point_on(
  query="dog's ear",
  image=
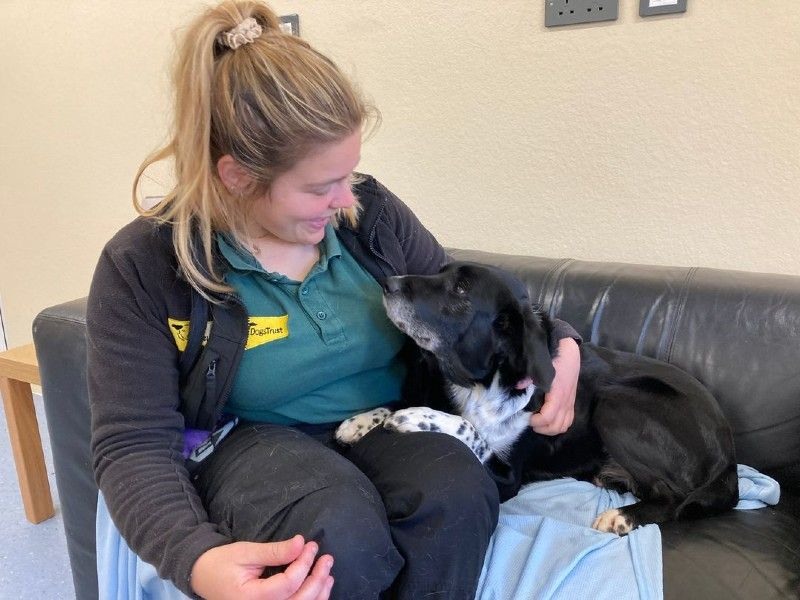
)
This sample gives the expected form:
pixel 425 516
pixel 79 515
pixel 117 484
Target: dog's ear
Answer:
pixel 526 336
pixel 471 357
pixel 537 349
pixel 474 351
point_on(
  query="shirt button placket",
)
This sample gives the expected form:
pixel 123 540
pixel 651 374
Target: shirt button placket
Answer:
pixel 312 304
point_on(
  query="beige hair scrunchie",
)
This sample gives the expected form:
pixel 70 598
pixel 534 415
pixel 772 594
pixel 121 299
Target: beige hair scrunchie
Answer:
pixel 244 33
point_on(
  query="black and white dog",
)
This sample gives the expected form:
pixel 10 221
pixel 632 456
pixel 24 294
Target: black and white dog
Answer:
pixel 640 425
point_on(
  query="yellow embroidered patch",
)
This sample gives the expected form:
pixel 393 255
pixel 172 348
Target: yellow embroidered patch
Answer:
pixel 266 329
pixel 180 332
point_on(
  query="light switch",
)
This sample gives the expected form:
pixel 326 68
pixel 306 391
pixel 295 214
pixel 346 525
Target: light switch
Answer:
pixel 290 24
pixel 661 7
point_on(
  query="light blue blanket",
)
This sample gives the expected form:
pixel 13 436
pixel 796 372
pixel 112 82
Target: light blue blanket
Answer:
pixel 543 548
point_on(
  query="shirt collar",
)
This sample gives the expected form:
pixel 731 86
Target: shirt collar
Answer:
pixel 241 259
pixel 329 247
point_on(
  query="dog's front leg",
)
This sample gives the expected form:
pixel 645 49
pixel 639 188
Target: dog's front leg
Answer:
pixel 420 418
pixel 353 429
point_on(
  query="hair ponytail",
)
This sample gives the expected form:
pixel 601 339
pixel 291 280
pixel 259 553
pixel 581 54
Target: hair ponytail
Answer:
pixel 266 101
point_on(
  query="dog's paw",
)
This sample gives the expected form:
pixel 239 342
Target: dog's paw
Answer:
pixel 354 428
pixel 414 419
pixel 613 521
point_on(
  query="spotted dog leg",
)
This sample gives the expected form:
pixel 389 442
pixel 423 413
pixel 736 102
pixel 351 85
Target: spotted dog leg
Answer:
pixel 426 419
pixel 354 428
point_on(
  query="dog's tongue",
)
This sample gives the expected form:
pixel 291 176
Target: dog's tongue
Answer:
pixel 524 383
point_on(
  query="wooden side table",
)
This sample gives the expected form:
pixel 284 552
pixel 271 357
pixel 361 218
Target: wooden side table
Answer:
pixel 18 370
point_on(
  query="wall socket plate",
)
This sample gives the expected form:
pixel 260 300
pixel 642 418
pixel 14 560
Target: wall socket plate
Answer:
pixel 290 24
pixel 661 7
pixel 572 12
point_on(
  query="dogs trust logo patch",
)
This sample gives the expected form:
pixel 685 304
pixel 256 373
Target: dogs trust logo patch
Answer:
pixel 266 329
pixel 180 332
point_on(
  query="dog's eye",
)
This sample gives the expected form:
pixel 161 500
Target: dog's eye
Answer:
pixel 502 322
pixel 460 287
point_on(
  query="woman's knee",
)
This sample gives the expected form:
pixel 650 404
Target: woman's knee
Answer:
pixel 442 508
pixel 430 482
pixel 349 522
pixel 456 487
pixel 271 483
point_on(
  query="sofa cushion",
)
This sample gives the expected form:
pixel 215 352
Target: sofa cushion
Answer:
pixel 743 554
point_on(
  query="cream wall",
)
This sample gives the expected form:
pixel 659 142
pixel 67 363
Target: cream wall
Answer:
pixel 670 140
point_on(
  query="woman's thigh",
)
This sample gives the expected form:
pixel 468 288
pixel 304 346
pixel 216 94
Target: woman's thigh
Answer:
pixel 268 483
pixel 441 504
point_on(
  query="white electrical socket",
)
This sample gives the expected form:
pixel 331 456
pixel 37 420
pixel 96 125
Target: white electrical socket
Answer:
pixel 572 12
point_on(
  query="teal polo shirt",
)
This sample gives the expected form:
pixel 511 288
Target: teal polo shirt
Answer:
pixel 319 350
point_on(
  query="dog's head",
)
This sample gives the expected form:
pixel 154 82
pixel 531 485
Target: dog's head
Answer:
pixel 476 320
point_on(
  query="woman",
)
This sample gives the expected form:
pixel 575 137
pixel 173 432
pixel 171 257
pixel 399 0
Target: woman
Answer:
pixel 265 223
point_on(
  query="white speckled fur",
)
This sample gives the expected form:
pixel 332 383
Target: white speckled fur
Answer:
pixel 420 418
pixel 490 421
pixel 353 429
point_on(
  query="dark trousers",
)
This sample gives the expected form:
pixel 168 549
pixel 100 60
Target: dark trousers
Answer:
pixel 404 516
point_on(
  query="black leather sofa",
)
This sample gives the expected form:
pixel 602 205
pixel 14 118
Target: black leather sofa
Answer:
pixel 737 332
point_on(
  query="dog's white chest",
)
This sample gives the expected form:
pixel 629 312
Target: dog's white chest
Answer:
pixel 498 416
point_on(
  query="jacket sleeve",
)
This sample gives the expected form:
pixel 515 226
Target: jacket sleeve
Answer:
pixel 419 250
pixel 562 329
pixel 137 431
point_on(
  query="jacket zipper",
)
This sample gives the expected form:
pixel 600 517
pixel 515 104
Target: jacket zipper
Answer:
pixel 223 399
pixel 211 379
pixel 372 232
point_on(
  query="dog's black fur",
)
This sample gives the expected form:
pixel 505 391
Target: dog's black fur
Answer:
pixel 640 425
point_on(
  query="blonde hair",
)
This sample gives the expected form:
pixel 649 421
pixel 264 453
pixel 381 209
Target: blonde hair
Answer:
pixel 267 103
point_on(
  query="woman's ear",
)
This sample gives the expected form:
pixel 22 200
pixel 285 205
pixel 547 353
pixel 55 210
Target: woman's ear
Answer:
pixel 233 175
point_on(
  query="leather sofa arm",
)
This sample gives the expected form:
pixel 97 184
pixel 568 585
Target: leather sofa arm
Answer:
pixel 59 334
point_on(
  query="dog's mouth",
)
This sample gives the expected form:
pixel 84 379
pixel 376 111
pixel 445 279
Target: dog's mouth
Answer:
pixel 419 338
pixel 401 326
pixel 423 341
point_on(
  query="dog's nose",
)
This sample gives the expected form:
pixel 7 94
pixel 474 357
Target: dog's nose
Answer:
pixel 391 285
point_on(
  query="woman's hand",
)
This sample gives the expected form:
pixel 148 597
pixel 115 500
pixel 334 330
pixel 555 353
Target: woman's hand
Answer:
pixel 558 410
pixel 233 571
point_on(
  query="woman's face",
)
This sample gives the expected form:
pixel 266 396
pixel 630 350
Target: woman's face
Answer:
pixel 302 201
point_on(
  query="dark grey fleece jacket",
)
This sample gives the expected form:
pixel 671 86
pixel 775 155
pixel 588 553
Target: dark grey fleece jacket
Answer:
pixel 137 427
